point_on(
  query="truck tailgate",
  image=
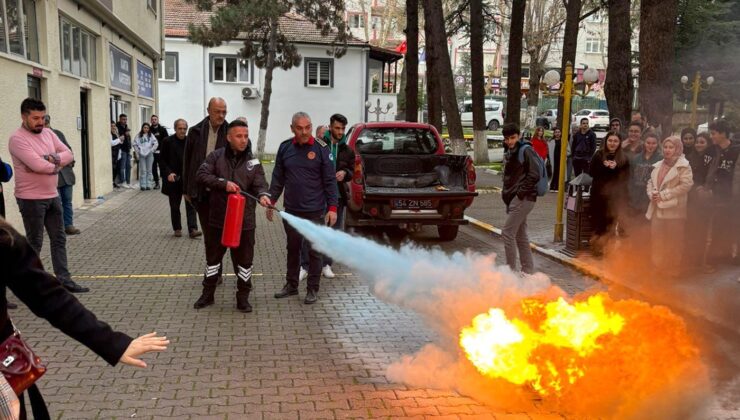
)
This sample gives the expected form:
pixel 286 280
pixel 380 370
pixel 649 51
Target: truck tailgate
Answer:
pixel 425 192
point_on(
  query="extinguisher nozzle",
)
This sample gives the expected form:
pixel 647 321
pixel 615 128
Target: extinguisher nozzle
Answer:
pixel 246 194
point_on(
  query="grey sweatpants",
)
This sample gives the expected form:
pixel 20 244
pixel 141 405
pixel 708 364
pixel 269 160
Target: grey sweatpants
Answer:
pixel 515 235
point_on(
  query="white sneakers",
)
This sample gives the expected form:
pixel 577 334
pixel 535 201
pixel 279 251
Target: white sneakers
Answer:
pixel 326 272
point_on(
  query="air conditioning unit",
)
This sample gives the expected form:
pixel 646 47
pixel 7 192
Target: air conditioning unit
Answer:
pixel 250 93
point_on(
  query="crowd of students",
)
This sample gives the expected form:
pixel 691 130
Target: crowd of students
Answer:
pixel 686 188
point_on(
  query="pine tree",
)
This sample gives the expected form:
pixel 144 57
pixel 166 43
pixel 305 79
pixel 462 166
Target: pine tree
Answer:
pixel 261 23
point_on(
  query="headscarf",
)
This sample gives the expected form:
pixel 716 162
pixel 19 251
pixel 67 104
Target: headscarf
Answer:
pixel 676 142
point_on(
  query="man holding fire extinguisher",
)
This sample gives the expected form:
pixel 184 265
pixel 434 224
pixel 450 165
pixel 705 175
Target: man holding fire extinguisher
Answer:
pixel 230 170
pixel 305 170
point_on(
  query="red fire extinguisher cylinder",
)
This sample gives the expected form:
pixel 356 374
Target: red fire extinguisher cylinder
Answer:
pixel 232 232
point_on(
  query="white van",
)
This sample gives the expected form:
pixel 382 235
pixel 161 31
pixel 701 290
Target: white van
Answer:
pixel 494 114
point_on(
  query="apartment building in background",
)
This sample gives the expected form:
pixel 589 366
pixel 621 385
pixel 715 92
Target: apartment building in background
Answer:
pixel 88 60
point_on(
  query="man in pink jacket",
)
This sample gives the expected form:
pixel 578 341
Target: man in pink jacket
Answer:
pixel 38 155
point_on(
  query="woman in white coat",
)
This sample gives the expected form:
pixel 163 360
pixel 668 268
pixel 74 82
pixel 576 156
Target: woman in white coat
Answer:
pixel 668 190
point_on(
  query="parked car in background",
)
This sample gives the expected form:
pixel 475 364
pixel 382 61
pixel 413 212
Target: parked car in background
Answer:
pixel 494 114
pixel 548 118
pixel 403 179
pixel 598 119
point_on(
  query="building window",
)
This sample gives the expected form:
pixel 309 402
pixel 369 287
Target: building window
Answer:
pixel 18 30
pixel 319 72
pixel 356 21
pixel 230 69
pixel 145 114
pixel 77 49
pixel 168 68
pixel 594 45
pixel 152 5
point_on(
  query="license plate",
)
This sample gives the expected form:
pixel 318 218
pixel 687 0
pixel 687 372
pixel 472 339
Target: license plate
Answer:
pixel 412 204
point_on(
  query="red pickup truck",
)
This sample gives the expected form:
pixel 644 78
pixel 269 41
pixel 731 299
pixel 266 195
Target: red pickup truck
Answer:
pixel 403 179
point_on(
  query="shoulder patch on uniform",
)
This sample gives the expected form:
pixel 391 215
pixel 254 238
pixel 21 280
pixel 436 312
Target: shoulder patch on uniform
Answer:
pixel 321 142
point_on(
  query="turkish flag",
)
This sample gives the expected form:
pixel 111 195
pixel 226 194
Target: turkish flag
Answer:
pixel 401 48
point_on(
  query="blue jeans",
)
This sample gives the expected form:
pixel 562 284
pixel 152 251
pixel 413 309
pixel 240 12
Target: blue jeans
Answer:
pixel 145 170
pixel 65 193
pixel 124 165
pixel 305 246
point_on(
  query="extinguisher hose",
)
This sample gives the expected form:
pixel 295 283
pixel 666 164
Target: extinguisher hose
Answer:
pixel 246 194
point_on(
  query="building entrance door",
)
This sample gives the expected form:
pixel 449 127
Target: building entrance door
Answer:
pixel 34 87
pixel 85 142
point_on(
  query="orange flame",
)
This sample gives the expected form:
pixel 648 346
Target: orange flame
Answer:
pixel 549 346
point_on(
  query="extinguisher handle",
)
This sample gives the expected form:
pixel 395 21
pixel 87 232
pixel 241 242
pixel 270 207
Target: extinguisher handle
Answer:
pixel 246 194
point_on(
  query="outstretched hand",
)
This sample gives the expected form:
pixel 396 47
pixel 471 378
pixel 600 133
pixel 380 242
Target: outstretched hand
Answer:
pixel 145 344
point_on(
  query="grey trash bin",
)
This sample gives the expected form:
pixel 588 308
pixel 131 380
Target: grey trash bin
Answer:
pixel 578 230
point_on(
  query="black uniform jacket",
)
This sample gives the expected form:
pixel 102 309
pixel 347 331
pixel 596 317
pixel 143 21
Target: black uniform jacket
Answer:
pixel 23 273
pixel 171 162
pixel 195 155
pixel 241 168
pixel 345 162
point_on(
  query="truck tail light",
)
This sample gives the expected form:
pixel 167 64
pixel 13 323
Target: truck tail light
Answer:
pixel 470 171
pixel 357 173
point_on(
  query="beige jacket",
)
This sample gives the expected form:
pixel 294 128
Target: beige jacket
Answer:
pixel 673 192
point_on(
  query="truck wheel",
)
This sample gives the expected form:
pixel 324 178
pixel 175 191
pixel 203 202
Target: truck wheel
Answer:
pixel 493 125
pixel 448 232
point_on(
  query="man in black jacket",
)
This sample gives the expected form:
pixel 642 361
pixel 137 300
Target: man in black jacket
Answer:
pixel 519 195
pixel 203 138
pixel 170 162
pixel 583 147
pixel 160 133
pixel 344 162
pixel 65 184
pixel 229 170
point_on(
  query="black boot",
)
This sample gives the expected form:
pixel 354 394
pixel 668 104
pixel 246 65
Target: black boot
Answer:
pixel 206 298
pixel 243 287
pixel 287 290
pixel 242 302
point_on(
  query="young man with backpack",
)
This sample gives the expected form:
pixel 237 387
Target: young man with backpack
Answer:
pixel 523 174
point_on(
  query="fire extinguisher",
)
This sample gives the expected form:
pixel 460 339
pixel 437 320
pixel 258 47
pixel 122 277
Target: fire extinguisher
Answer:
pixel 232 232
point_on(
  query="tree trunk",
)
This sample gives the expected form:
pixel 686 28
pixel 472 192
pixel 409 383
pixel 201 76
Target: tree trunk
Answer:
pixel 411 62
pixel 618 87
pixel 514 79
pixel 443 71
pixel 434 92
pixel 657 30
pixel 267 90
pixel 533 96
pixel 570 43
pixel 476 72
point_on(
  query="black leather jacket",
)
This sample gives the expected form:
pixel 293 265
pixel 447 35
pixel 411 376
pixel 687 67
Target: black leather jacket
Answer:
pixel 241 168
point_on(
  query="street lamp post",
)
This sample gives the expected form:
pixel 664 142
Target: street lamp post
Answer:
pixel 695 87
pixel 378 111
pixel 552 78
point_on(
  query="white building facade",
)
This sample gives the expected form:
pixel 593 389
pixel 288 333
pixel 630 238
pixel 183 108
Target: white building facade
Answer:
pixel 88 61
pixel 321 85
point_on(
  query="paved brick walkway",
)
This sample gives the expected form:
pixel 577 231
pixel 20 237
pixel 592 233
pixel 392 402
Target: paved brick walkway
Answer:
pixel 285 360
